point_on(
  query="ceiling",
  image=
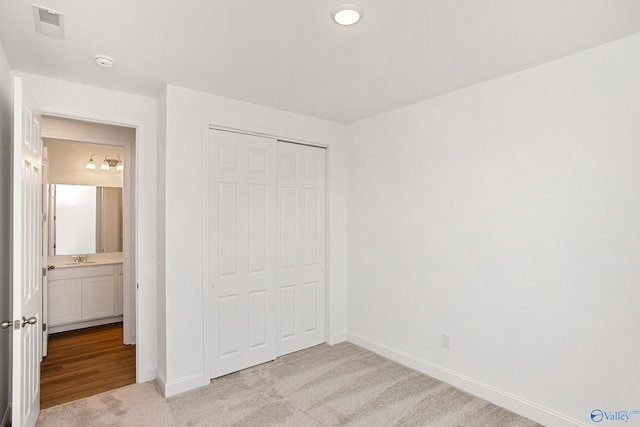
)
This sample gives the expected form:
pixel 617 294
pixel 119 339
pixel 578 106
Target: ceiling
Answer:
pixel 289 54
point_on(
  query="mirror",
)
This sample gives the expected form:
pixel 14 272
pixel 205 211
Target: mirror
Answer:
pixel 86 219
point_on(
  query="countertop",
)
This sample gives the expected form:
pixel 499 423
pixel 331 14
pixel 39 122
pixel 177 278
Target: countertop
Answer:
pixel 91 262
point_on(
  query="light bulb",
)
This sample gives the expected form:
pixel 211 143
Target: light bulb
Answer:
pixel 347 14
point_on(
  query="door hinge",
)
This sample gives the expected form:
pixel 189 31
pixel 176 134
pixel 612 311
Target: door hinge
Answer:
pixel 44 217
pixel 44 271
pixel 44 327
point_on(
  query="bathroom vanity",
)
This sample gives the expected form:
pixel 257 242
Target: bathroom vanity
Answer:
pixel 82 295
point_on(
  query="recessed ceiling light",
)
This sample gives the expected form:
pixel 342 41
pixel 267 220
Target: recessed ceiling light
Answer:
pixel 346 14
pixel 104 61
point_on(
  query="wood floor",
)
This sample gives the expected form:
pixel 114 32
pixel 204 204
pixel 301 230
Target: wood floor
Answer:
pixel 85 362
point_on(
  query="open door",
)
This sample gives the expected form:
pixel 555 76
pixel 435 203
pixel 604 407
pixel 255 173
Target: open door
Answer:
pixel 27 270
pixel 45 251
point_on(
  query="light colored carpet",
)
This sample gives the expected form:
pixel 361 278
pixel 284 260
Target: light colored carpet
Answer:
pixel 341 385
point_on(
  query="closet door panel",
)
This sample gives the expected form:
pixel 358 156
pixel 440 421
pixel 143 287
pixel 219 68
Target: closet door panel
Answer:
pixel 241 224
pixel 301 228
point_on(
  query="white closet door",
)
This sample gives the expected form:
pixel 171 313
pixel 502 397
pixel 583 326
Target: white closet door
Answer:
pixel 242 251
pixel 301 234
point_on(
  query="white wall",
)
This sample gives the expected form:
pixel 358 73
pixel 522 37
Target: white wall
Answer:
pixel 57 97
pixel 72 142
pixel 84 131
pixel 507 215
pixel 187 115
pixel 5 231
pixel 161 319
pixel 67 160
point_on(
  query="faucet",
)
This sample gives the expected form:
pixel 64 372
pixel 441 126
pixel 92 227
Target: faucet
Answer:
pixel 79 258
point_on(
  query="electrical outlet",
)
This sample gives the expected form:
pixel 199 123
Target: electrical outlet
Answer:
pixel 446 341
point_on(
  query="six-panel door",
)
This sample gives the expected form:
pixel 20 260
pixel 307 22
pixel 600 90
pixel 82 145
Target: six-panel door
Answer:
pixel 265 246
pixel 27 258
pixel 301 231
pixel 242 251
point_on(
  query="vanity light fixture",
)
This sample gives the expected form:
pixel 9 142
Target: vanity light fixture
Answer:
pixel 90 164
pixel 346 14
pixel 108 162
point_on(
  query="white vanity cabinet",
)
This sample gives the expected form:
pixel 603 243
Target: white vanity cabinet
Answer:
pixel 65 301
pixel 83 296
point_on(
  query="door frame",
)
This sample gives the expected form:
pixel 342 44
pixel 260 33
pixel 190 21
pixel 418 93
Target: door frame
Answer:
pixel 135 235
pixel 279 137
pixel 128 214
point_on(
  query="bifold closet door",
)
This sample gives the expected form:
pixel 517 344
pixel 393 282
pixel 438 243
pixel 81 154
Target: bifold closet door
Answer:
pixel 301 236
pixel 242 250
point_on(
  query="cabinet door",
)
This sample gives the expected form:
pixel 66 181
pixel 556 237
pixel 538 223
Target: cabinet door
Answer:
pixel 65 301
pixel 98 297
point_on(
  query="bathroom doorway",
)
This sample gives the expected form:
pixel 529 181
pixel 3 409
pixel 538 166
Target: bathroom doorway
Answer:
pixel 89 298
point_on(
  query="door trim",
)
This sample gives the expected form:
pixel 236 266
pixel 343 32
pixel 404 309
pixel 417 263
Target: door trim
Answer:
pixel 142 326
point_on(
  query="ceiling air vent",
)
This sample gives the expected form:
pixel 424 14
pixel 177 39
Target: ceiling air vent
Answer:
pixel 48 22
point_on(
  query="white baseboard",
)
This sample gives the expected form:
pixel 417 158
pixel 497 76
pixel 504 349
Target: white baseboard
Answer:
pixel 81 325
pixel 337 338
pixel 162 382
pixel 171 388
pixel 513 403
pixel 6 417
pixel 148 374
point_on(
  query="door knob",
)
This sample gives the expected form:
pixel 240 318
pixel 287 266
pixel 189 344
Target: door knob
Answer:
pixel 6 324
pixel 30 321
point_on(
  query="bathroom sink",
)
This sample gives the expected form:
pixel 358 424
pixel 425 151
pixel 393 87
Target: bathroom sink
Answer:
pixel 81 263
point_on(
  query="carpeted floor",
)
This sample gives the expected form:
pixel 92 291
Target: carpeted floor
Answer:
pixel 341 385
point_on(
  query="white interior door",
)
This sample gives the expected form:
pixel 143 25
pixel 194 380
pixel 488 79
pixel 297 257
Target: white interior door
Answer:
pixel 45 252
pixel 27 259
pixel 301 234
pixel 242 251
